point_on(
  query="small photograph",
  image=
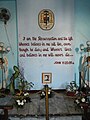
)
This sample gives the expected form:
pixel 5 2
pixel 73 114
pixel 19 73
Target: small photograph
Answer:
pixel 46 78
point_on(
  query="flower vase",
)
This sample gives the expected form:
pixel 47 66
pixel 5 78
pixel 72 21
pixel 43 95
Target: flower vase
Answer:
pixel 70 93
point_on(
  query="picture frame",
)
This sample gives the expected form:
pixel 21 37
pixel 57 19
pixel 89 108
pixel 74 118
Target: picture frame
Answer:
pixel 46 78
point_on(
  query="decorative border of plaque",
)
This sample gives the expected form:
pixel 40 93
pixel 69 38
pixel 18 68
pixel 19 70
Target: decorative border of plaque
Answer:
pixel 46 19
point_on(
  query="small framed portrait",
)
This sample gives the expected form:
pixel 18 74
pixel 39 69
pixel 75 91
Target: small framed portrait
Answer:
pixel 46 78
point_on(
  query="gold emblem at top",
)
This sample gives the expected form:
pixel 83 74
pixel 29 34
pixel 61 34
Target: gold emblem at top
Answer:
pixel 46 19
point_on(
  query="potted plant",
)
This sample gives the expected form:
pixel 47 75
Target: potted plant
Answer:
pixel 71 88
pixel 24 86
pixel 23 95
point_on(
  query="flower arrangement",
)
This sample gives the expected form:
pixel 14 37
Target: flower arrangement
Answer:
pixel 24 86
pixel 43 94
pixel 71 88
pixel 82 100
pixel 21 99
pixel 82 96
pixel 23 96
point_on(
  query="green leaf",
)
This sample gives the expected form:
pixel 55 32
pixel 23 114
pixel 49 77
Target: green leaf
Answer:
pixel 16 69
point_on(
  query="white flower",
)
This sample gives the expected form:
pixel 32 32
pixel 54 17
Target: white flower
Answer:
pixel 83 99
pixel 25 94
pixel 74 88
pixel 24 100
pixel 81 107
pixel 49 92
pixel 85 86
pixel 68 89
pixel 43 93
pixel 77 92
pixel 77 101
pixel 17 101
pixel 22 103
